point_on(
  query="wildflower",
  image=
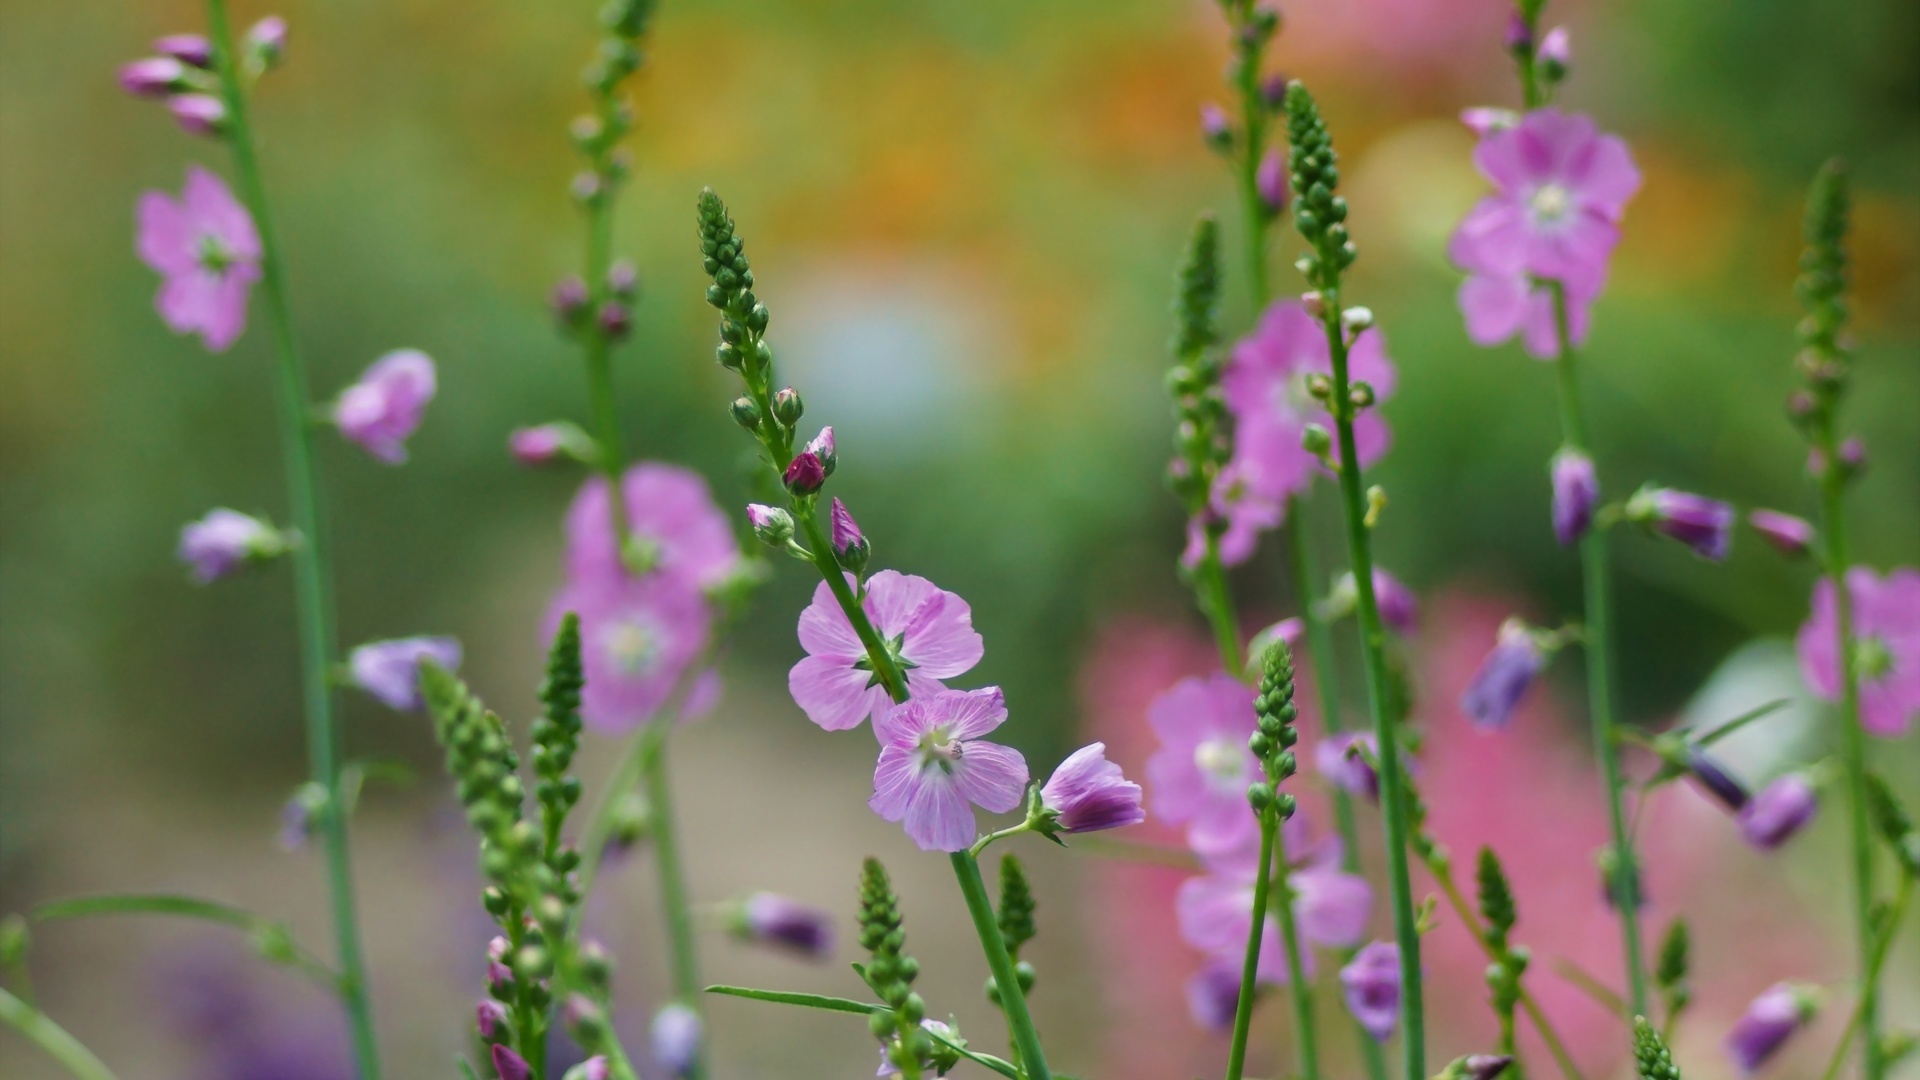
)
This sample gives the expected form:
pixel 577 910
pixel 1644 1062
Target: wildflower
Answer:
pixel 672 522
pixel 933 764
pixel 390 670
pixel 1504 676
pixel 1339 759
pixel 198 114
pixel 1270 180
pixel 153 76
pixel 675 1037
pixel 849 543
pixel 299 815
pixel 1768 1022
pixel 805 474
pixel 1886 651
pixel 224 541
pixel 509 1065
pixel 637 636
pixel 491 1016
pixel 1778 811
pixel 1246 512
pixel 1711 776
pixel 1087 793
pixel 385 406
pixel 1498 306
pixel 205 247
pixel 1703 524
pixel 1575 493
pixel 1201 771
pixel 193 49
pixel 1330 906
pixel 1560 189
pixel 1372 981
pixel 1265 384
pixel 1789 535
pixel 928 631
pixel 772 919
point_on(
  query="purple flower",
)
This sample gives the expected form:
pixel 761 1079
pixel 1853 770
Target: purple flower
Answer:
pixel 1703 524
pixel 929 630
pixel 568 298
pixel 1201 771
pixel 671 517
pixel 1778 811
pixel 1519 34
pixel 1213 993
pixel 1560 187
pixel 509 1065
pixel 638 636
pixel 206 250
pixel 1484 1066
pixel 675 1037
pixel 805 474
pixel 1769 1020
pixel 772 919
pixel 1330 906
pixel 1399 608
pixel 1340 762
pixel 224 541
pixel 490 1016
pixel 771 525
pixel 1709 774
pixel 933 764
pixel 849 543
pixel 152 77
pixel 1504 676
pixel 1886 650
pixel 1789 535
pixel 192 49
pixel 198 114
pixel 1372 981
pixel 382 409
pixel 1087 793
pixel 1270 180
pixel 1246 512
pixel 1575 493
pixel 390 670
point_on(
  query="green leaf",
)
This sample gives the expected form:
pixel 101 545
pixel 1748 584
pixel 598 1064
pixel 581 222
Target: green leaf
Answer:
pixel 271 939
pixel 809 1001
pixel 1721 731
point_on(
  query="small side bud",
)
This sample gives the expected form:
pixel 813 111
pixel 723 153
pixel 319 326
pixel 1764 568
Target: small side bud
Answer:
pixel 787 407
pixel 771 525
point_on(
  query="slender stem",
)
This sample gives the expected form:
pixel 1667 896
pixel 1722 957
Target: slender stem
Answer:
pixel 1218 604
pixel 890 676
pixel 626 774
pixel 1596 573
pixel 673 882
pixel 52 1038
pixel 1026 1041
pixel 1250 966
pixel 312 571
pixel 1302 995
pixel 1393 796
pixel 1882 946
pixel 598 349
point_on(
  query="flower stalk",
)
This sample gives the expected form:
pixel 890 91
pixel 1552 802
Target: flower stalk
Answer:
pixel 312 566
pixel 59 1044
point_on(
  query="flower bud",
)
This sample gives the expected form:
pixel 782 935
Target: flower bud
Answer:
pixel 787 407
pixel 1215 129
pixel 199 114
pixel 1576 491
pixel 548 443
pixel 568 300
pixel 265 43
pixel 1703 524
pixel 805 474
pixel 1770 1020
pixel 1270 181
pixel 675 1036
pixel 1504 676
pixel 1356 319
pixel 1484 121
pixel 745 413
pixel 1778 811
pixel 153 77
pixel 192 49
pixel 822 447
pixel 850 545
pixel 1088 793
pixel 224 541
pixel 1519 35
pixel 508 1065
pixel 1315 440
pixel 623 279
pixel 771 919
pixel 1791 536
pixel 586 186
pixel 1556 51
pixel 771 525
pixel 1360 395
pixel 615 320
pixel 491 1017
pixel 1273 91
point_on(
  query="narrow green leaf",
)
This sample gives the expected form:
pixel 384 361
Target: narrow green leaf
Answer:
pixel 788 997
pixel 1721 731
pixel 188 907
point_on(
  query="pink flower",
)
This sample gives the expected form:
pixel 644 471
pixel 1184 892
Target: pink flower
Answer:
pixel 929 630
pixel 933 765
pixel 1200 774
pixel 670 515
pixel 205 247
pixel 541 445
pixel 198 114
pixel 192 49
pixel 1330 906
pixel 152 76
pixel 1339 759
pixel 1498 306
pixel 1246 512
pixel 1087 793
pixel 224 541
pixel 385 407
pixel 637 638
pixel 1560 189
pixel 1372 982
pixel 390 670
pixel 1886 626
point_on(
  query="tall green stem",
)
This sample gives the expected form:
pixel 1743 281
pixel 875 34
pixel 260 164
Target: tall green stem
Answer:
pixel 1304 1036
pixel 1596 573
pixel 51 1037
pixel 312 570
pixel 1026 1040
pixel 673 885
pixel 1393 796
pixel 1250 966
pixel 1883 944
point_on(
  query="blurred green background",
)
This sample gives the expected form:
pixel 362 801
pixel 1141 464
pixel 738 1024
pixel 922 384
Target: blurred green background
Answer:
pixel 964 218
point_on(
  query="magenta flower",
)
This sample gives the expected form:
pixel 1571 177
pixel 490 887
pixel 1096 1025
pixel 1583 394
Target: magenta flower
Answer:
pixel 1087 793
pixel 198 114
pixel 206 249
pixel 805 474
pixel 1484 120
pixel 1778 811
pixel 1246 512
pixel 1270 180
pixel 1214 126
pixel 1372 982
pixel 224 541
pixel 774 920
pixel 1201 772
pixel 1703 524
pixel 1504 676
pixel 637 638
pixel 1556 47
pixel 390 670
pixel 675 1037
pixel 1339 759
pixel 1265 387
pixel 928 630
pixel 1560 188
pixel 850 545
pixel 1576 491
pixel 1330 906
pixel 1213 993
pixel 933 764
pixel 266 41
pixel 490 1016
pixel 1886 626
pixel 1769 1021
pixel 509 1065
pixel 152 76
pixel 671 520
pixel 192 49
pixel 1790 536
pixel 385 407
pixel 822 446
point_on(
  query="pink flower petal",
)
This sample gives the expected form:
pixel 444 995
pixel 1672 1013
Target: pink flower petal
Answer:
pixel 832 692
pixel 991 776
pixel 938 817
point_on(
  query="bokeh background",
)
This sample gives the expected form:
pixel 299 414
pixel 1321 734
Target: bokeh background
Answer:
pixel 965 219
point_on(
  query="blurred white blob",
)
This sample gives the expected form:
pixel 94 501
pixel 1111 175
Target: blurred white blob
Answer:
pixel 1755 674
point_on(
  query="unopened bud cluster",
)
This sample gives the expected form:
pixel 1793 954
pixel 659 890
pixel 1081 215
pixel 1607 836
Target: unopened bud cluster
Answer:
pixel 1510 961
pixel 890 973
pixel 1824 360
pixel 1202 443
pixel 1016 924
pixel 1274 736
pixel 1318 213
pixel 187 73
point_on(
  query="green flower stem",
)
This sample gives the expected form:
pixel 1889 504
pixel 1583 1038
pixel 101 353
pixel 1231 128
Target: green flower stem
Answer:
pixel 313 579
pixel 626 774
pixel 1883 944
pixel 1303 1033
pixel 52 1038
pixel 890 676
pixel 673 881
pixel 1250 967
pixel 598 350
pixel 1211 579
pixel 1026 1041
pixel 1596 573
pixel 1393 796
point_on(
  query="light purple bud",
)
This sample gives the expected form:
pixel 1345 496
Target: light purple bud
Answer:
pixel 1556 47
pixel 615 319
pixel 675 1036
pixel 1768 1022
pixel 386 405
pixel 1273 91
pixel 297 816
pixel 568 298
pixel 1213 993
pixel 586 186
pixel 223 541
pixel 1703 524
pixel 846 531
pixel 491 1017
pixel 1718 782
pixel 805 474
pixel 497 948
pixel 1372 982
pixel 199 114
pixel 1338 758
pixel 1271 181
pixel 1519 34
pixel 1088 793
pixel 1853 454
pixel 537 445
pixel 822 447
pixel 1399 608
pixel 1780 809
pixel 1504 676
pixel 152 77
pixel 390 670
pixel 1484 121
pixel 1214 126
pixel 1791 536
pixel 1576 491
pixel 266 40
pixel 595 1068
pixel 499 975
pixel 772 919
pixel 623 279
pixel 191 49
pixel 508 1065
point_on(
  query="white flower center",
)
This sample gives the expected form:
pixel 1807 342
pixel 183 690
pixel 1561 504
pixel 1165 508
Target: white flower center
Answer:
pixel 938 749
pixel 1221 761
pixel 632 647
pixel 1550 203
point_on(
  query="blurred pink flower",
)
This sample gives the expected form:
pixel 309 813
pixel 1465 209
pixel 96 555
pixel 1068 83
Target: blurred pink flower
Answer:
pixel 206 249
pixel 386 405
pixel 1199 776
pixel 671 518
pixel 1886 625
pixel 637 638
